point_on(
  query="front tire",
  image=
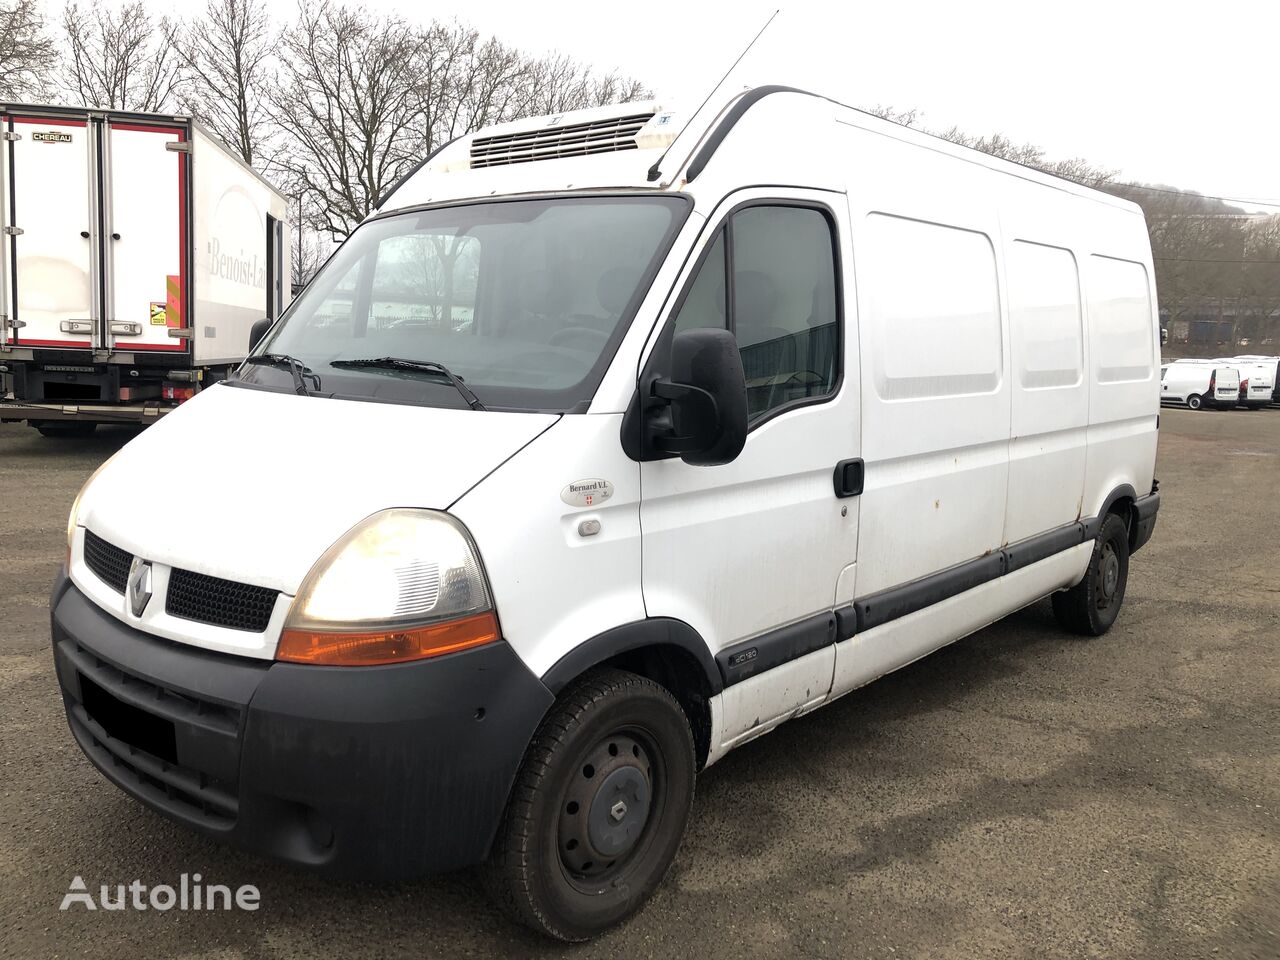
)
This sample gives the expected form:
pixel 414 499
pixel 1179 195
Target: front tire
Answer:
pixel 598 809
pixel 1091 606
pixel 1194 401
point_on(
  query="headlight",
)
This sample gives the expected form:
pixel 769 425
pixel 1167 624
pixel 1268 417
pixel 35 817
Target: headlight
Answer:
pixel 401 585
pixel 74 516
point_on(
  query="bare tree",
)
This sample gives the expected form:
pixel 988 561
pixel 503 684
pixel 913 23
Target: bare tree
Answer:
pixel 121 60
pixel 907 118
pixel 1030 155
pixel 226 58
pixel 362 99
pixel 347 100
pixel 26 52
pixel 558 83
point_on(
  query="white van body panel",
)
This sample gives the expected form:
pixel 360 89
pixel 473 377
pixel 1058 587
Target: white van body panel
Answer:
pixel 554 587
pixel 883 649
pixel 754 707
pixel 1178 381
pixel 935 371
pixel 282 477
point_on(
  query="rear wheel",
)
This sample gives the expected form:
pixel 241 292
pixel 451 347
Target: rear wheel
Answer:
pixel 1194 401
pixel 1091 606
pixel 75 428
pixel 598 809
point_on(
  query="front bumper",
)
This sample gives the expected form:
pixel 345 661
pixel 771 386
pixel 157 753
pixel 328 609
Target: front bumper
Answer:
pixel 370 772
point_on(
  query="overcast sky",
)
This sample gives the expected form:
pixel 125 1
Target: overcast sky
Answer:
pixel 1170 92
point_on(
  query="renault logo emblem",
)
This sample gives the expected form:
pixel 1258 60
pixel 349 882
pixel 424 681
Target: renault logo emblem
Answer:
pixel 139 585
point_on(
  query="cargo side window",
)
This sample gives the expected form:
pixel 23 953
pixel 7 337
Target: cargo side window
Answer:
pixel 782 304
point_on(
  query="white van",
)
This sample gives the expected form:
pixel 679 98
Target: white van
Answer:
pixel 1200 383
pixel 1272 368
pixel 606 446
pixel 1257 381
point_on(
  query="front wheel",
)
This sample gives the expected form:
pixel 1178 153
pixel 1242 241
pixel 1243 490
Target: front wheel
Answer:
pixel 598 809
pixel 1092 605
pixel 1194 401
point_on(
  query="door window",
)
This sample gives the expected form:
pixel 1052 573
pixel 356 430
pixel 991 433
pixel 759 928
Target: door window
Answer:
pixel 782 303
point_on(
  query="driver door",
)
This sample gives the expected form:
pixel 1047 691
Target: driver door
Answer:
pixel 755 554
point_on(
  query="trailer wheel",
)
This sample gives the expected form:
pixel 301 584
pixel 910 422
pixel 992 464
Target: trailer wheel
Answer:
pixel 1091 606
pixel 1194 401
pixel 598 809
pixel 76 428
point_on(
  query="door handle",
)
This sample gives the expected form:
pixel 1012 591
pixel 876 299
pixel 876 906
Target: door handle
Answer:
pixel 85 234
pixel 848 477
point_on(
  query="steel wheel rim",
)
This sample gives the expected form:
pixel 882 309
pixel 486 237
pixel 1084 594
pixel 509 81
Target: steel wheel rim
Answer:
pixel 609 808
pixel 1107 578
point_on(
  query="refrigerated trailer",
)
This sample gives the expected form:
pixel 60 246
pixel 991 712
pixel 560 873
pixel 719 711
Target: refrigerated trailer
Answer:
pixel 136 251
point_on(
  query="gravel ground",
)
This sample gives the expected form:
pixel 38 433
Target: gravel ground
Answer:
pixel 1019 794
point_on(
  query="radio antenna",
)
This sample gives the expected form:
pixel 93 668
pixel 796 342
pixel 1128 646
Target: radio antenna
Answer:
pixel 656 170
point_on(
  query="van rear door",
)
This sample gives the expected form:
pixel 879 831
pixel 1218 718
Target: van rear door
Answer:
pixel 1226 385
pixel 147 213
pixel 53 232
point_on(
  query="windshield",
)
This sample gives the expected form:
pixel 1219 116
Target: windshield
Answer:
pixel 524 301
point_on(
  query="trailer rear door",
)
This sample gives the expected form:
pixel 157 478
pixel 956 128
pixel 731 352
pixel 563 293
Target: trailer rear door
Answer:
pixel 50 201
pixel 147 213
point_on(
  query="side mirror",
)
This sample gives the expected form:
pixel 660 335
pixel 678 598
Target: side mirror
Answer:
pixel 698 412
pixel 258 331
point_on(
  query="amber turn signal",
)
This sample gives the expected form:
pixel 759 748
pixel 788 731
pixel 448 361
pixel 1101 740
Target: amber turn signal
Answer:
pixel 387 646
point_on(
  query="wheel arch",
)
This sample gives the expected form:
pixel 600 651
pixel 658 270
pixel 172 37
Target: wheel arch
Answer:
pixel 1122 501
pixel 667 651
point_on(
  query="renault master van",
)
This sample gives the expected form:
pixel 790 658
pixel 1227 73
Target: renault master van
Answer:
pixel 606 445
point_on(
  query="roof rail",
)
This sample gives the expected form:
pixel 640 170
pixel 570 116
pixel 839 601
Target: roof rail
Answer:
pixel 736 112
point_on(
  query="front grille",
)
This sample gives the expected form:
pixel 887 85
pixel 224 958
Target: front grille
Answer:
pixel 553 142
pixel 224 603
pixel 108 562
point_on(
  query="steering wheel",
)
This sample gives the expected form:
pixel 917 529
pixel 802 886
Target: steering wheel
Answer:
pixel 572 336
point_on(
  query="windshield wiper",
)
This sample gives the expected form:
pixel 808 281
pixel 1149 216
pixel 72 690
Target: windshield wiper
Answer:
pixel 424 366
pixel 300 372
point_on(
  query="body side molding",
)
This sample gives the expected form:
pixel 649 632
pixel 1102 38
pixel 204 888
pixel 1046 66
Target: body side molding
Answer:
pixel 760 654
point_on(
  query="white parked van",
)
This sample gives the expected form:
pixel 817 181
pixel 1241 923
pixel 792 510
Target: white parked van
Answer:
pixel 1271 366
pixel 136 253
pixel 1200 383
pixel 1257 381
pixel 606 446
